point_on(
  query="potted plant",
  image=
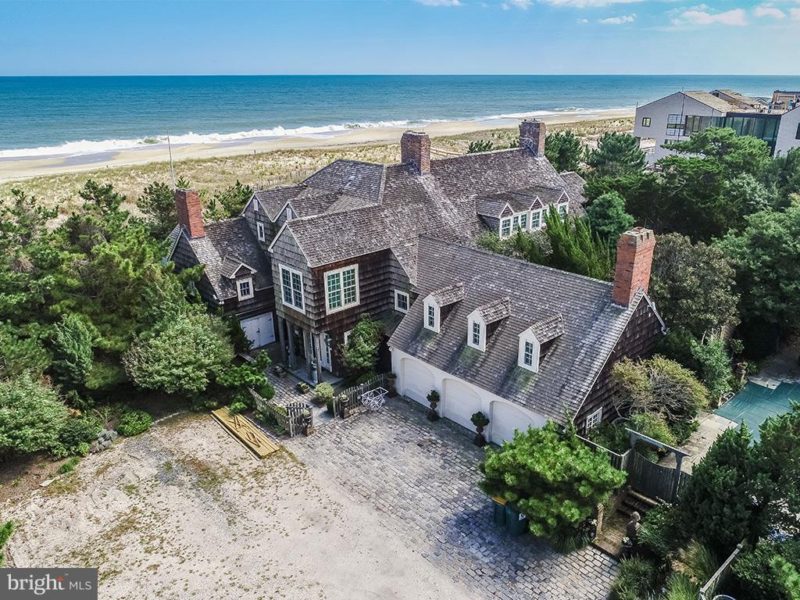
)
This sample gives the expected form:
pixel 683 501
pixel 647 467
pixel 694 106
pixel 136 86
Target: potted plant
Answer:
pixel 322 393
pixel 302 388
pixel 480 421
pixel 391 384
pixel 433 400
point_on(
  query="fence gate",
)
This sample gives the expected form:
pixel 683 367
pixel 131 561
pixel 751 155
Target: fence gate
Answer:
pixel 651 479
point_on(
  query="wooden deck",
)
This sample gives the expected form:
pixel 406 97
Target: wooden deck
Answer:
pixel 246 432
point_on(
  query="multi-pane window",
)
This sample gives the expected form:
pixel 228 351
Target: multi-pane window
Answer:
pixel 262 233
pixel 594 419
pixel 400 301
pixel 292 288
pixel 563 209
pixel 245 289
pixel 431 317
pixel 646 121
pixel 536 219
pixel 505 227
pixel 675 125
pixel 476 333
pixel 527 357
pixel 341 288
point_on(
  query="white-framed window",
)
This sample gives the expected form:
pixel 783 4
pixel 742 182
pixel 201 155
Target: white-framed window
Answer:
pixel 431 314
pixel 476 333
pixel 519 221
pixel 505 227
pixel 347 336
pixel 646 121
pixel 341 288
pixel 262 231
pixel 244 287
pixel 292 288
pixel 594 419
pixel 401 301
pixel 255 205
pixel 675 125
pixel 527 354
pixel 563 209
pixel 536 219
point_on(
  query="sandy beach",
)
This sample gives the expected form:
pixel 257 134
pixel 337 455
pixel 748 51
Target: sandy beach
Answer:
pixel 20 168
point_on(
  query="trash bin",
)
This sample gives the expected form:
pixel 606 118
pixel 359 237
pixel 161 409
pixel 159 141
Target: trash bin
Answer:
pixel 516 522
pixel 499 511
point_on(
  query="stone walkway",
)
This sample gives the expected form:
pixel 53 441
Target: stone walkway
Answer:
pixel 421 477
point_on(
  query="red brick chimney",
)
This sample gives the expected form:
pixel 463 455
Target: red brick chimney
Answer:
pixel 415 149
pixel 634 261
pixel 190 212
pixel 532 135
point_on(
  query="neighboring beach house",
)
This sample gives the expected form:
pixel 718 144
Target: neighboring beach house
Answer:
pixel 344 242
pixel 520 342
pixel 677 116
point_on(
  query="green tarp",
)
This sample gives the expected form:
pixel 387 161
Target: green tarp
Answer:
pixel 755 403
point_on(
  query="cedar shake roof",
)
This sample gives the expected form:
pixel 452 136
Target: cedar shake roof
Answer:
pixel 340 186
pixel 228 247
pixel 575 312
pixel 398 205
pixel 449 295
pixel 495 311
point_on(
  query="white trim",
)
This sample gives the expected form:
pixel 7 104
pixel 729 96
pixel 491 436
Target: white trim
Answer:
pixel 540 213
pixel 473 319
pixel 430 304
pixel 249 282
pixel 594 419
pixel 261 231
pixel 527 336
pixel 397 295
pixel 510 227
pixel 346 336
pixel 292 305
pixel 566 209
pixel 344 304
pixel 280 231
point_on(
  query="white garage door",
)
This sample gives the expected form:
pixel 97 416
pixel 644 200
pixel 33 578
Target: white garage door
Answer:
pixel 505 418
pixel 259 330
pixel 460 402
pixel 417 380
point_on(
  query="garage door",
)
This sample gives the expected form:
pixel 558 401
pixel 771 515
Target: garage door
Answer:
pixel 505 418
pixel 417 380
pixel 460 402
pixel 259 330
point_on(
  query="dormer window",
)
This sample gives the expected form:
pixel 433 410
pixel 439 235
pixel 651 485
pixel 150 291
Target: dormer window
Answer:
pixel 527 354
pixel 563 209
pixel 431 314
pixel 431 318
pixel 262 233
pixel 505 227
pixel 537 222
pixel 476 334
pixel 245 288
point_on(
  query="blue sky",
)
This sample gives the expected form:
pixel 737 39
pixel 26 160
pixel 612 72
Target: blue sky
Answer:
pixel 107 37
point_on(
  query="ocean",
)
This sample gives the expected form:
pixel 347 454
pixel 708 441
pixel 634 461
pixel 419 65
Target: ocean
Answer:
pixel 41 116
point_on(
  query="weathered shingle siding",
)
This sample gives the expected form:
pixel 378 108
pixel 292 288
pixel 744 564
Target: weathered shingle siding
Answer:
pixel 252 217
pixel 639 339
pixel 286 252
pixel 184 258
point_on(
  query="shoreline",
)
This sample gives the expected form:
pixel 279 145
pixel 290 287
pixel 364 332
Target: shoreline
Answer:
pixel 27 167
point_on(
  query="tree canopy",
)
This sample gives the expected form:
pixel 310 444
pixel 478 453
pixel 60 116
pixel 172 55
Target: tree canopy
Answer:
pixel 616 154
pixel 564 150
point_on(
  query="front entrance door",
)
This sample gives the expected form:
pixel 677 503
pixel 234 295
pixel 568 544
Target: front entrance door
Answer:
pixel 325 360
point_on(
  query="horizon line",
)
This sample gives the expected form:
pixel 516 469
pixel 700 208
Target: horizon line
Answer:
pixel 102 75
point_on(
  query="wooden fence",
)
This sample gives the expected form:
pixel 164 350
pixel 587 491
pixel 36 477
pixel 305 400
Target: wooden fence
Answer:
pixel 293 418
pixel 708 591
pixel 618 461
pixel 348 402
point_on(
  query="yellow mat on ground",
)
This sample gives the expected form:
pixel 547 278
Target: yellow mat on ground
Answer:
pixel 246 432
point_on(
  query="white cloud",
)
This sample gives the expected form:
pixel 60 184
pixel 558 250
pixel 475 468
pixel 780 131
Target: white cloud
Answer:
pixel 583 21
pixel 768 11
pixel 618 20
pixel 521 4
pixel 439 2
pixel 794 13
pixel 701 16
pixel 588 3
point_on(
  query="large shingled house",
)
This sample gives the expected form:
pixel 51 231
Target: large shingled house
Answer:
pixel 520 342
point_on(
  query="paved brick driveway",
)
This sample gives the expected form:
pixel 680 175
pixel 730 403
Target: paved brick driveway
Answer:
pixel 422 478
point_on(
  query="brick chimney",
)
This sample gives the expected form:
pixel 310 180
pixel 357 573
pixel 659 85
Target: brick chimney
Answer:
pixel 634 261
pixel 531 136
pixel 415 149
pixel 190 212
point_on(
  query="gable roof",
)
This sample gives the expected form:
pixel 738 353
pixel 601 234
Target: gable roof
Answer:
pixel 576 312
pixel 711 101
pixel 444 203
pixel 494 311
pixel 227 248
pixel 448 295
